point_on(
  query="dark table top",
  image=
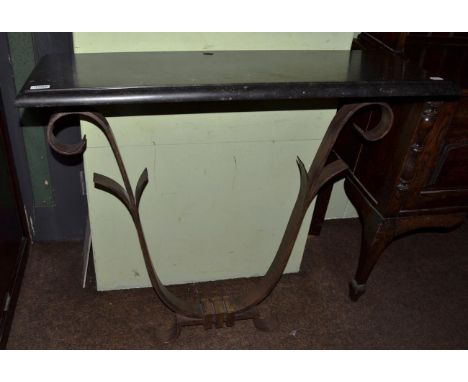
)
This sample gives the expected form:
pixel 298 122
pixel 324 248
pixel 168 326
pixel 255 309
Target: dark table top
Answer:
pixel 157 77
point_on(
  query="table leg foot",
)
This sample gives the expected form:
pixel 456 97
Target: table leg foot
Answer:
pixel 263 324
pixel 356 290
pixel 168 335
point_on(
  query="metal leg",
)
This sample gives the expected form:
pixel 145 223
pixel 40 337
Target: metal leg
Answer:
pixel 321 206
pixel 225 310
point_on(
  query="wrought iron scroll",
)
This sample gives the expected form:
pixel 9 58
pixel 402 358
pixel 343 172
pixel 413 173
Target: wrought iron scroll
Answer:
pixel 225 310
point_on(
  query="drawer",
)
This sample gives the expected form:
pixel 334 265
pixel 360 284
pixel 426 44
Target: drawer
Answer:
pixel 447 185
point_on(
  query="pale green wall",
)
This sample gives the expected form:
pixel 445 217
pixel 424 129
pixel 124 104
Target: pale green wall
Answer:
pixel 221 185
pixel 132 42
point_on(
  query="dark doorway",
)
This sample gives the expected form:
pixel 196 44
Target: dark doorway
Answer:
pixel 13 233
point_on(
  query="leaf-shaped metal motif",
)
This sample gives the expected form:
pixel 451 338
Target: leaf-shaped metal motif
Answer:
pixel 109 185
pixel 141 185
pixel 303 174
pixel 329 171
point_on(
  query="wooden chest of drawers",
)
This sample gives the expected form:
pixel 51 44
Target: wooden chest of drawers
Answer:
pixel 417 176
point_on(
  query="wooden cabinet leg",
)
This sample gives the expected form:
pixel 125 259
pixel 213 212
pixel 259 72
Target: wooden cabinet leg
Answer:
pixel 376 236
pixel 379 232
pixel 320 209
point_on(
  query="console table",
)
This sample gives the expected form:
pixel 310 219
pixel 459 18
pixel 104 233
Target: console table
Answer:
pixel 374 92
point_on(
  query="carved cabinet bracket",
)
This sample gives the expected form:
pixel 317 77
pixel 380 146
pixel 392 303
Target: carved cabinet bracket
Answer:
pixel 428 118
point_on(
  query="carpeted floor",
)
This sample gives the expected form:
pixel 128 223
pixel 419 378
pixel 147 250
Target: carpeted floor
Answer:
pixel 417 298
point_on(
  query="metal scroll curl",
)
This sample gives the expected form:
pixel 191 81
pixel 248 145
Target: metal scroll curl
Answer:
pixel 319 173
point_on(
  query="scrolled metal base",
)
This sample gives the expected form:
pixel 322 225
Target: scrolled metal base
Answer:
pixel 223 311
pixel 211 321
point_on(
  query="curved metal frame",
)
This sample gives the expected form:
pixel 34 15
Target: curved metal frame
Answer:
pixel 225 310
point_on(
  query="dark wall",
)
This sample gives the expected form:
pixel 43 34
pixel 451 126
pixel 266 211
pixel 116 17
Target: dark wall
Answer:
pixel 51 186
